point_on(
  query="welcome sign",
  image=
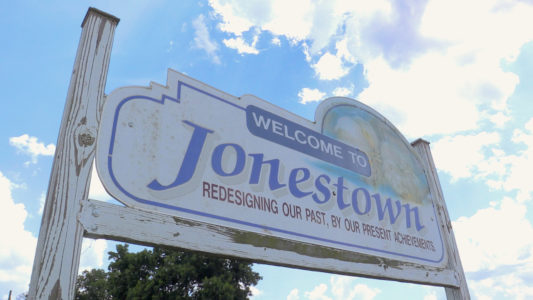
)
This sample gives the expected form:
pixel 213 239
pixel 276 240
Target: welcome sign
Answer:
pixel 347 181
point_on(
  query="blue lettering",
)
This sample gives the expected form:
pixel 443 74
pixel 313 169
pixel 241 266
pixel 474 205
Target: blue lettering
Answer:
pixel 340 193
pixel 293 182
pixel 355 203
pixel 216 159
pixel 273 180
pixel 408 211
pixel 190 160
pixel 322 189
pixel 388 206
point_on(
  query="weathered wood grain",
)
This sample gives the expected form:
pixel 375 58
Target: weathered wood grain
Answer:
pixel 56 263
pixel 109 221
pixel 454 261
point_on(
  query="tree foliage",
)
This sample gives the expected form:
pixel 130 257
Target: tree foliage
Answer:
pixel 167 274
pixel 92 285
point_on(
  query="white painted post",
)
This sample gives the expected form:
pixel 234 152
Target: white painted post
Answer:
pixel 454 261
pixel 57 257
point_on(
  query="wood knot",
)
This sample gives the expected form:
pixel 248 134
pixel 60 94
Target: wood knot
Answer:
pixel 85 139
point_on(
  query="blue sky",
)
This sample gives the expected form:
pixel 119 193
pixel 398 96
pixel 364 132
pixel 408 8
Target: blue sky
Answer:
pixel 456 74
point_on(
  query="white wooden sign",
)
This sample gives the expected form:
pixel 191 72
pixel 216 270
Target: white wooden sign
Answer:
pixel 348 181
pixel 202 170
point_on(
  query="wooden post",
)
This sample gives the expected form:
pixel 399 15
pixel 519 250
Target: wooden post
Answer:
pixel 454 261
pixel 56 263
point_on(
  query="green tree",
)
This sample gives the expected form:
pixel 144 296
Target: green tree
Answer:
pixel 92 285
pixel 167 274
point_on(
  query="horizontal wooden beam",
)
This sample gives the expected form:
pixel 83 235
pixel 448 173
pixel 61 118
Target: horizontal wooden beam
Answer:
pixel 110 221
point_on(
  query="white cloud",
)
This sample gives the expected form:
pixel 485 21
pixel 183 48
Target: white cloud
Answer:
pixel 431 296
pixel 342 288
pixel 326 19
pixel 345 288
pixel 93 254
pixel 305 49
pixel 255 292
pixel 499 119
pixel 496 247
pixel 241 46
pixel 463 155
pixel 203 41
pixel 276 41
pixel 96 189
pixel 520 164
pixel 434 90
pixel 343 91
pixel 480 156
pixel 292 19
pixel 296 20
pixel 364 292
pixel 318 293
pixel 42 200
pixel 330 67
pixel 463 77
pixel 18 244
pixel 495 20
pixel 237 18
pixel 31 146
pixel 307 95
pixel 343 51
pixel 293 295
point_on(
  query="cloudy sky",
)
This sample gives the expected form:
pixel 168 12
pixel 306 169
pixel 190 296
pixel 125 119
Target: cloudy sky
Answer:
pixel 456 73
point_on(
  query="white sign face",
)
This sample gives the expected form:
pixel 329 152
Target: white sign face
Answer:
pixel 348 181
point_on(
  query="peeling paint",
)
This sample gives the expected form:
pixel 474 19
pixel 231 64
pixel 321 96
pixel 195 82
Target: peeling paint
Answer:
pixel 269 242
pixel 184 222
pixel 265 241
pixel 55 294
